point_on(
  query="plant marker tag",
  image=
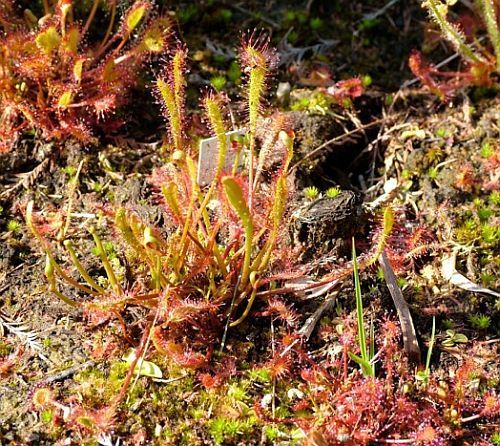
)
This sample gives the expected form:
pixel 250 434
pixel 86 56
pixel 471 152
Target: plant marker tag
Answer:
pixel 143 368
pixel 209 153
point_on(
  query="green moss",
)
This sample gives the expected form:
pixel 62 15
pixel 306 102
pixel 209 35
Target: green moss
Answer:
pixel 198 413
pixel 495 439
pixel 225 14
pixel 99 387
pixel 487 279
pixel 187 13
pixel 97 186
pixel 368 24
pixel 110 249
pixel 167 433
pixel 490 234
pixel 493 382
pixel 13 226
pixel 484 213
pixel 380 273
pixel 5 349
pixel 218 58
pixel 316 103
pixel 441 132
pixel 187 435
pixel 234 72
pixel 218 82
pixel 293 36
pixel 433 173
pixel 311 192
pixel 316 23
pixel 366 80
pixel 347 103
pixel 486 150
pixel 288 16
pixel 69 170
pixel 271 433
pixel 494 198
pixel 467 233
pixel 260 375
pixel 229 430
pixel 238 391
pixel 283 412
pixel 402 282
pixel 333 192
pixel 480 321
pixel 447 324
pixel 46 416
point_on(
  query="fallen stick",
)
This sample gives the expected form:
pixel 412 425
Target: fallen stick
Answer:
pixel 407 328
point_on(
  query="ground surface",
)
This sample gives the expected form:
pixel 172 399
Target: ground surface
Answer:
pixel 443 156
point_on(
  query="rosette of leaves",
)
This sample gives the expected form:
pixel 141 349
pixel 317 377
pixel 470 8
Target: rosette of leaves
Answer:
pixel 481 59
pixel 56 83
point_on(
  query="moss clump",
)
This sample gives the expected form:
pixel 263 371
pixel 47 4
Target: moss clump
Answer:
pixel 5 349
pixel 229 430
pixel 98 387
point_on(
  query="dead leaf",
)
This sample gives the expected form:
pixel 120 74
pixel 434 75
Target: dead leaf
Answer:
pixel 450 273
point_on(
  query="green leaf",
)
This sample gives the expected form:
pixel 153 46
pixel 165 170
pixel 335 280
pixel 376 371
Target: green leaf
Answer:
pixel 71 41
pixel 78 69
pixel 144 368
pixel 48 40
pixel 234 194
pixel 65 99
pixel 459 337
pixel 359 304
pixel 422 375
pixel 135 16
pixel 431 345
pixel 154 40
pixel 366 367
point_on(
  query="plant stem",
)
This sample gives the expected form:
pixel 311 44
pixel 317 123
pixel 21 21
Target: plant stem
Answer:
pixel 90 17
pixel 105 262
pixel 452 34
pixel 488 9
pixel 69 246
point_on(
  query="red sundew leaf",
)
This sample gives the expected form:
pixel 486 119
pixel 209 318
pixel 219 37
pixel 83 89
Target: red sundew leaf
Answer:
pixel 104 105
pixel 491 403
pixel 426 435
pixel 352 88
pixel 301 405
pixel 424 73
pixel 284 312
pixel 211 382
pixel 312 376
pixel 278 366
pixel 100 420
pixel 256 51
pixel 6 364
